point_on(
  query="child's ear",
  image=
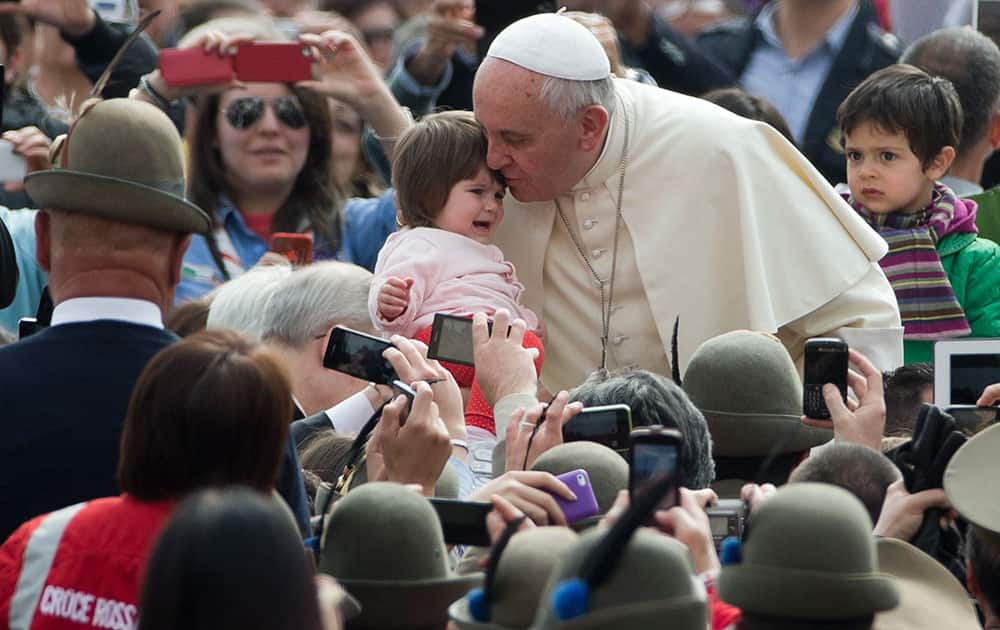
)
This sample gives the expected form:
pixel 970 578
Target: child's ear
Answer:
pixel 941 163
pixel 399 212
pixel 995 131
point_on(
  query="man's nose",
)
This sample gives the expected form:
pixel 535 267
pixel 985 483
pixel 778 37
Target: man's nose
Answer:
pixel 495 158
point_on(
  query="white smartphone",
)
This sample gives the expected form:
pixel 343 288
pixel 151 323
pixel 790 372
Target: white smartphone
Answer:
pixel 963 369
pixel 117 11
pixel 13 168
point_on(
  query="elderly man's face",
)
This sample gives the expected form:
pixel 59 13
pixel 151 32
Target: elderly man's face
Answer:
pixel 538 152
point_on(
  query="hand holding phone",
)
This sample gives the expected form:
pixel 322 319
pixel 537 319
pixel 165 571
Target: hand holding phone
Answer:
pixel 359 355
pixel 13 167
pixel 585 505
pixel 825 362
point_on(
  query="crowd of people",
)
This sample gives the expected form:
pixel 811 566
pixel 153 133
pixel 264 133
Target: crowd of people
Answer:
pixel 641 205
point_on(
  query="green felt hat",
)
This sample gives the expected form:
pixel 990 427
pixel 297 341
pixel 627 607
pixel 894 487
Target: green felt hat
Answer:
pixel 607 470
pixel 653 582
pixel 121 160
pixel 748 389
pixel 521 575
pixel 810 555
pixel 384 543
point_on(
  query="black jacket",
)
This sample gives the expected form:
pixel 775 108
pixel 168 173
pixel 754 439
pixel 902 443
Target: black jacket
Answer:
pixel 866 49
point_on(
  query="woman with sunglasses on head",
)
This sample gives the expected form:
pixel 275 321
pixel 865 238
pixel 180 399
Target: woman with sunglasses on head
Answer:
pixel 260 161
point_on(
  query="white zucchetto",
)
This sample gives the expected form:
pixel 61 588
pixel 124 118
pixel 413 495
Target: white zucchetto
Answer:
pixel 554 46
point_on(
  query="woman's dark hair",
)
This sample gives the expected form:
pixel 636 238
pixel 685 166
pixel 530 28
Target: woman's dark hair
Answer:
pixel 229 560
pixel 749 106
pixel 211 410
pixel 188 318
pixel 313 204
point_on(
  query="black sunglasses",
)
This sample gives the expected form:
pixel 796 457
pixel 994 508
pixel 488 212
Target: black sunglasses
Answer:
pixel 243 112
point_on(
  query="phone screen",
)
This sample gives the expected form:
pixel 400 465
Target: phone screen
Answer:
pixel 359 355
pixel 971 374
pixel 610 427
pixel 451 339
pixel 651 462
pixel 463 522
pixel 826 365
pixel 987 18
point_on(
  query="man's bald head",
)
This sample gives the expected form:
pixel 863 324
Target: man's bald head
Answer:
pixel 971 61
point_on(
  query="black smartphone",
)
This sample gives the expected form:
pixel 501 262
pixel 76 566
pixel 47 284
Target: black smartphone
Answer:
pixel 451 339
pixel 609 425
pixel 359 355
pixel 27 326
pixel 463 522
pixel 825 362
pixel 654 453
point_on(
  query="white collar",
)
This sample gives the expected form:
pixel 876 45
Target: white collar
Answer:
pixel 88 309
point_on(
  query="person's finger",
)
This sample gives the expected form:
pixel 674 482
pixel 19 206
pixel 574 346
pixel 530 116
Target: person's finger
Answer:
pixel 700 498
pixel 517 330
pixel 857 384
pixel 398 361
pixel 391 416
pixel 927 499
pixel 480 330
pixel 990 396
pixel 617 509
pixel 390 300
pixel 423 406
pixel 852 405
pixel 834 402
pixel 501 321
pixel 509 512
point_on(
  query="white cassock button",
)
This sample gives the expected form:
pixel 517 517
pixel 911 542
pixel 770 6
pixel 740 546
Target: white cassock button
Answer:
pixel 584 196
pixel 597 253
pixel 618 340
pixel 589 224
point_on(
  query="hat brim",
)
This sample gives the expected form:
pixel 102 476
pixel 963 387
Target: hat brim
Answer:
pixel 459 614
pixel 684 612
pixel 797 594
pixel 116 199
pixel 930 596
pixel 967 477
pixel 414 604
pixel 757 435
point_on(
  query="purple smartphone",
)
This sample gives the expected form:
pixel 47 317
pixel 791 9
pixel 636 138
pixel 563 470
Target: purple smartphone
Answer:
pixel 586 503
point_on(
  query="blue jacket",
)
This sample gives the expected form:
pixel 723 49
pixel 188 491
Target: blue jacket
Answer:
pixel 367 223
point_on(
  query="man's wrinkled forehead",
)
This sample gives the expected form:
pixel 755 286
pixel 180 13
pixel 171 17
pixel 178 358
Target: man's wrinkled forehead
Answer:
pixel 503 89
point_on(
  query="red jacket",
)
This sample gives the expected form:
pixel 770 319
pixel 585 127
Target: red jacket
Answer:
pixel 80 566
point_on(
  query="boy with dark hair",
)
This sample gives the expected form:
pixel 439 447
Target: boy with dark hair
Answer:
pixel 899 129
pixel 906 389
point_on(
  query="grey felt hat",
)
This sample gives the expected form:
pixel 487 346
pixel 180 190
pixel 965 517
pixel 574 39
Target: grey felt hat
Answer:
pixel 384 543
pixel 652 582
pixel 749 391
pixel 521 575
pixel 971 478
pixel 122 160
pixel 810 555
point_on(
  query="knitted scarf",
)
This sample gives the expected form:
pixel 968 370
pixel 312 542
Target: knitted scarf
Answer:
pixel 927 303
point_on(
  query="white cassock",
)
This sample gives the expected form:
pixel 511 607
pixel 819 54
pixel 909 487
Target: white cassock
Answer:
pixel 726 226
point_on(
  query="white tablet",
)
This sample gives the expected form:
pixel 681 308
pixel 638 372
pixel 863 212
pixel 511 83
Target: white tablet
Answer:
pixel 963 368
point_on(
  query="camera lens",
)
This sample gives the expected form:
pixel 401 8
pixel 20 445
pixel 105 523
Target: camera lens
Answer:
pixel 581 480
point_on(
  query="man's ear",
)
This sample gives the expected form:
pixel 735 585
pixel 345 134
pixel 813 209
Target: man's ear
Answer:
pixel 43 239
pixel 941 163
pixel 995 131
pixel 177 252
pixel 593 122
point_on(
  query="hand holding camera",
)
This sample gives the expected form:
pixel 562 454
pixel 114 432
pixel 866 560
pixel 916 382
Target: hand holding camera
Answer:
pixel 532 432
pixel 503 365
pixel 409 359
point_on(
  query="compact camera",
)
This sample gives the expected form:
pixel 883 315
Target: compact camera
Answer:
pixel 727 518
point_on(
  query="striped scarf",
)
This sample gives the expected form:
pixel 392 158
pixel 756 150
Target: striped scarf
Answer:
pixel 927 303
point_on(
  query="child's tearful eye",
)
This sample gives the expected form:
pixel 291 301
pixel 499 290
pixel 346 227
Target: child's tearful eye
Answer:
pixel 888 157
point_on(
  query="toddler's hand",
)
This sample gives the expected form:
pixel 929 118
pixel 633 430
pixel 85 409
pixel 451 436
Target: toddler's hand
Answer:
pixel 394 297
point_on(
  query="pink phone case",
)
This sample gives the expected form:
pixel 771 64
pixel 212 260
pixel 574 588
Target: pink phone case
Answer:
pixel 586 503
pixel 191 66
pixel 273 62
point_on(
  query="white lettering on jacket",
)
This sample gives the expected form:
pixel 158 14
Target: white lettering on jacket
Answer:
pixel 65 603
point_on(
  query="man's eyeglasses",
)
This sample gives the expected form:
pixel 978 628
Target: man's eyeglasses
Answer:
pixel 244 112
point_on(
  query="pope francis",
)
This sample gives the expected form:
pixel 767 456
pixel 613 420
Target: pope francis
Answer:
pixel 634 207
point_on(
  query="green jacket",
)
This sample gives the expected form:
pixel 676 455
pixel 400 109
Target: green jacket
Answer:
pixel 988 213
pixel 973 268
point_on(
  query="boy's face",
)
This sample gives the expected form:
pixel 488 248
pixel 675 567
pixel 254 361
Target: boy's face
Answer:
pixel 474 207
pixel 884 174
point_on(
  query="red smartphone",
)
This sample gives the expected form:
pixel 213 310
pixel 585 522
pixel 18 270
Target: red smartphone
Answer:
pixel 191 66
pixel 298 248
pixel 273 62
